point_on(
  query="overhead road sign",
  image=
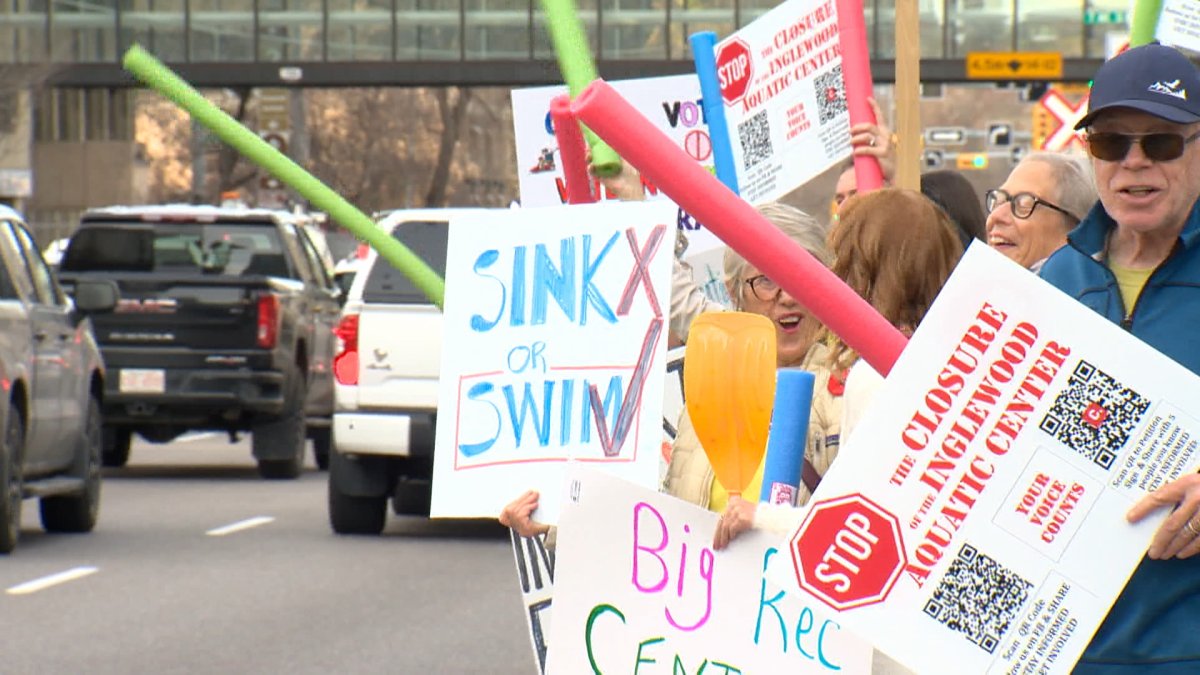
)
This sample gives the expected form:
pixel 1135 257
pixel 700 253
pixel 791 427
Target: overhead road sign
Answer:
pixel 1094 16
pixel 1014 66
pixel 945 136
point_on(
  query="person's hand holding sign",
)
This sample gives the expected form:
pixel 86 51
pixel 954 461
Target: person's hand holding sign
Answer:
pixel 518 515
pixel 738 518
pixel 1179 535
pixel 875 140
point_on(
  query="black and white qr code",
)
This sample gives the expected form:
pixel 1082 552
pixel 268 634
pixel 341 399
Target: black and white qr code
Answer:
pixel 831 95
pixel 1095 414
pixel 755 134
pixel 978 598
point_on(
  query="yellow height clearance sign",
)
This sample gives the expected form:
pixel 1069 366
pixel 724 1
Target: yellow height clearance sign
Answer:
pixel 1014 66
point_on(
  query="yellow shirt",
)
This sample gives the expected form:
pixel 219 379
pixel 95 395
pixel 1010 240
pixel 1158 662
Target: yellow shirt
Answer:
pixel 719 498
pixel 1131 282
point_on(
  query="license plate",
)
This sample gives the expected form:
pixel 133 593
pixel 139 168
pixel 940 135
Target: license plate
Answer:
pixel 142 381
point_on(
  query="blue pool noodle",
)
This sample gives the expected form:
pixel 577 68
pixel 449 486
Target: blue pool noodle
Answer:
pixel 704 55
pixel 789 429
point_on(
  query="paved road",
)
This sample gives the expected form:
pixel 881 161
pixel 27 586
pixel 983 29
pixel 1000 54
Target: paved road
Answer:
pixel 198 566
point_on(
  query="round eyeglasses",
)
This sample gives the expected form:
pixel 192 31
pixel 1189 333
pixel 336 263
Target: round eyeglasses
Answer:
pixel 763 288
pixel 1022 204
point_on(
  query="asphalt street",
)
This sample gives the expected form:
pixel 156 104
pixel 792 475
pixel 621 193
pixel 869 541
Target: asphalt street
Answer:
pixel 199 566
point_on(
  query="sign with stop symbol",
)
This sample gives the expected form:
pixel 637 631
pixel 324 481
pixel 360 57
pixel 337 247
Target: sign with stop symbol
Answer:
pixel 734 68
pixel 848 552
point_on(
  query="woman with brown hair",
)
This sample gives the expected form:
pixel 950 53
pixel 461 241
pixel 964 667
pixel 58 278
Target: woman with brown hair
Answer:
pixel 895 248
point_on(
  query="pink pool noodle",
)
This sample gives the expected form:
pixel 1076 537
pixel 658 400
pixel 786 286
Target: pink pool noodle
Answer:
pixel 572 150
pixel 856 73
pixel 739 225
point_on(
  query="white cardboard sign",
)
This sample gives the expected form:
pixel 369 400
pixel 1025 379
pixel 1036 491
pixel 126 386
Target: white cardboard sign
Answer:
pixel 638 589
pixel 1179 24
pixel 785 101
pixel 555 339
pixel 991 475
pixel 672 103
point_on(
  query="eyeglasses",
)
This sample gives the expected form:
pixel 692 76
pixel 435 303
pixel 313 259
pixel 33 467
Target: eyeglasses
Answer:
pixel 1159 147
pixel 1022 203
pixel 764 289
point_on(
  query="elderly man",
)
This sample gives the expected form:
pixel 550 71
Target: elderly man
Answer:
pixel 1135 259
pixel 1030 215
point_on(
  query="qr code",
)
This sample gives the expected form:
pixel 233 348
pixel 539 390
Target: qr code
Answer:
pixel 1095 414
pixel 755 134
pixel 831 95
pixel 978 598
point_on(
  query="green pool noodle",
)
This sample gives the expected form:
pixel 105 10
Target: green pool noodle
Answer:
pixel 578 70
pixel 1145 22
pixel 154 74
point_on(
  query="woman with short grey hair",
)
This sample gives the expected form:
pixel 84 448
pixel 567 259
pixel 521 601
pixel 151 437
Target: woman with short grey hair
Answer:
pixel 1044 197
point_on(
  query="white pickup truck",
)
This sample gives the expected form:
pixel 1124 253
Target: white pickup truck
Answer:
pixel 386 368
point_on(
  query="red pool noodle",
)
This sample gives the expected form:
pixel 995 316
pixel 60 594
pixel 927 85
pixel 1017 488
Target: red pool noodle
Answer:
pixel 739 225
pixel 856 73
pixel 572 150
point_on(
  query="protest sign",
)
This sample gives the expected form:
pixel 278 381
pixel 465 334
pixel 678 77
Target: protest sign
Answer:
pixel 672 103
pixel 535 573
pixel 785 101
pixel 535 564
pixel 555 335
pixel 993 470
pixel 1179 24
pixel 639 589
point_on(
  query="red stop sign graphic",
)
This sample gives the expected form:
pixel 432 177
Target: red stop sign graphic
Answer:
pixel 734 69
pixel 848 552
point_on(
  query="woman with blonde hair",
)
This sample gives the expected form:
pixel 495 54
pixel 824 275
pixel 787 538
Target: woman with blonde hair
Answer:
pixel 689 474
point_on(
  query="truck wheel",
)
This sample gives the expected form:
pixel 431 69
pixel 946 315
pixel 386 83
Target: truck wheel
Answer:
pixel 322 439
pixel 349 514
pixel 116 446
pixel 10 481
pixel 279 443
pixel 78 512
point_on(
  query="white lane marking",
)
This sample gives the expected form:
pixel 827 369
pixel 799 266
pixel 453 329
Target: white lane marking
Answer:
pixel 52 580
pixel 198 436
pixel 239 526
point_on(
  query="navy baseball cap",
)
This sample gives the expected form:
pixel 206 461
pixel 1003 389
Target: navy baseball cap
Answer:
pixel 1153 78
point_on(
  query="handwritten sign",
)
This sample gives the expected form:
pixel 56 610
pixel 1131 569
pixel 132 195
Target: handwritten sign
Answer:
pixel 992 472
pixel 673 103
pixel 555 336
pixel 785 102
pixel 638 589
pixel 535 574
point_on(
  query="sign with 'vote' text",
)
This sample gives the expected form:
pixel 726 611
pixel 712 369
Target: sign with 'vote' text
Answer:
pixel 554 349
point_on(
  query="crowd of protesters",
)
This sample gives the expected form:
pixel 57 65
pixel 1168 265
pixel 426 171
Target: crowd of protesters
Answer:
pixel 1120 234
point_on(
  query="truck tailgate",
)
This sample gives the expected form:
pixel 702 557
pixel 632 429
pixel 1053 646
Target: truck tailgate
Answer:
pixel 400 355
pixel 203 315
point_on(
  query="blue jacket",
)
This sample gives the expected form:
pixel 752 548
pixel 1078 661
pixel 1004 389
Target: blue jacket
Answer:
pixel 1154 627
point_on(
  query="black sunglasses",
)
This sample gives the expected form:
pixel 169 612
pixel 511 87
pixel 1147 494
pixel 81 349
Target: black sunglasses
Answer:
pixel 1159 147
pixel 1022 204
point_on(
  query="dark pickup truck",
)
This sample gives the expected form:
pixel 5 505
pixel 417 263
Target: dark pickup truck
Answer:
pixel 225 323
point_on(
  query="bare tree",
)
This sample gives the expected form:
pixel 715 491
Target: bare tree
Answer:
pixel 162 131
pixel 233 170
pixel 389 148
pixel 452 115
